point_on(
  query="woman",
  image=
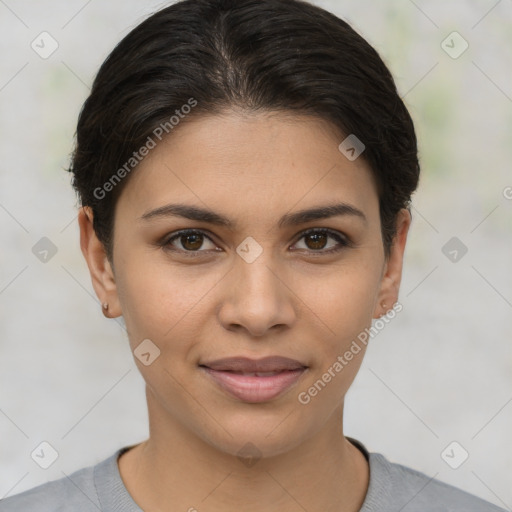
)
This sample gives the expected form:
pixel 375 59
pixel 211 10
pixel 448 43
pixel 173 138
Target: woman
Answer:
pixel 245 169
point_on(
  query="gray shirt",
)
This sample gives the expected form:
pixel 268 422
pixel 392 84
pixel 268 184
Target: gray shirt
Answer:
pixel 392 488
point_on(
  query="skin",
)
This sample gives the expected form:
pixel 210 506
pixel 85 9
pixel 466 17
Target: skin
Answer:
pixel 291 301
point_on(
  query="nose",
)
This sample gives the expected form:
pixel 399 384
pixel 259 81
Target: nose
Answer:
pixel 257 297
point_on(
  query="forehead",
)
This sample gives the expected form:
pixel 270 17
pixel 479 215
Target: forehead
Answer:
pixel 249 164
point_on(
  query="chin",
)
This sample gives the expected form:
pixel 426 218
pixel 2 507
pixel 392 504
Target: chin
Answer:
pixel 258 435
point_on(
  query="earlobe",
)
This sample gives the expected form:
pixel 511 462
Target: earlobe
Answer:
pixel 102 275
pixel 392 276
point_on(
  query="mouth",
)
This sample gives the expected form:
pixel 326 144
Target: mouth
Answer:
pixel 241 364
pixel 254 374
pixel 254 381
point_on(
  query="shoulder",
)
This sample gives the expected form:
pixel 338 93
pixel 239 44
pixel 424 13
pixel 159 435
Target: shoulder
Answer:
pixel 75 492
pixel 417 492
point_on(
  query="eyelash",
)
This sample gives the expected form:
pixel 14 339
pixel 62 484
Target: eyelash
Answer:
pixel 344 242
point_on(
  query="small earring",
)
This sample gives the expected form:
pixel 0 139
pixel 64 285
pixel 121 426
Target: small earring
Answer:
pixel 105 306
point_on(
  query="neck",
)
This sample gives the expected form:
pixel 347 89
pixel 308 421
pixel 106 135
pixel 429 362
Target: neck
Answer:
pixel 177 470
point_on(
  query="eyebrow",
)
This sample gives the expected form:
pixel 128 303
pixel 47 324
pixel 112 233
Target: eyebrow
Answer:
pixel 290 219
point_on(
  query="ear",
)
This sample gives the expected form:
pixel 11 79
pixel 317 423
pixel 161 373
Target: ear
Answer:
pixel 102 274
pixel 392 272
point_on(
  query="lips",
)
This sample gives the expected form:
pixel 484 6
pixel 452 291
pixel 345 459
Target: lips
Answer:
pixel 246 365
pixel 253 380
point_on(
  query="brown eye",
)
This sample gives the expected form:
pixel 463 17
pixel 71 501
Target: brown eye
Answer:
pixel 316 240
pixel 191 241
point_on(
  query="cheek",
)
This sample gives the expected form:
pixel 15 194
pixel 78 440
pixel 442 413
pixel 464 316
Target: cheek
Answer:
pixel 166 305
pixel 341 313
pixel 160 299
pixel 343 301
pixel 341 309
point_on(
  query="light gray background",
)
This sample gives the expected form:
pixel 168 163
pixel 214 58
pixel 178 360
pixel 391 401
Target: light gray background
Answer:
pixel 440 372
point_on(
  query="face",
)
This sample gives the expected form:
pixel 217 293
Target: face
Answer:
pixel 260 284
